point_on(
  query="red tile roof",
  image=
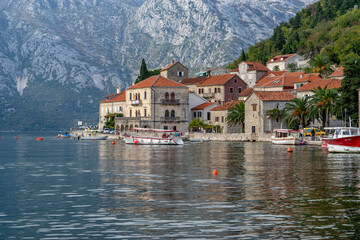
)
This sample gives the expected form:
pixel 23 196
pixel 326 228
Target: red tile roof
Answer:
pixel 202 106
pixel 246 92
pixel 271 74
pixel 226 106
pixel 338 72
pixel 157 81
pixel 285 80
pixel 234 70
pixel 170 65
pixel 278 96
pixel 257 66
pixel 191 81
pixel 313 85
pixel 278 58
pixel 217 80
pixel 118 97
pixel 308 78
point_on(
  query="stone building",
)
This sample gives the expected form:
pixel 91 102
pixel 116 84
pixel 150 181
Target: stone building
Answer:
pixel 156 102
pixel 175 71
pixel 192 83
pixel 219 114
pixel 256 106
pixel 202 111
pixel 250 72
pixel 307 89
pixel 112 104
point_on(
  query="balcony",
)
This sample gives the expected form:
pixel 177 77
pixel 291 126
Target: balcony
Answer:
pixel 170 101
pixel 136 102
pixel 170 119
pixel 208 95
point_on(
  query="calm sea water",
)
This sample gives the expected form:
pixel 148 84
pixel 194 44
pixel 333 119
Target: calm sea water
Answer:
pixel 69 189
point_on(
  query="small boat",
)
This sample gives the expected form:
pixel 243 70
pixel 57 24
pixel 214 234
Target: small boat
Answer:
pixel 342 139
pixel 199 139
pixel 286 137
pixel 94 138
pixel 150 137
pixel 66 135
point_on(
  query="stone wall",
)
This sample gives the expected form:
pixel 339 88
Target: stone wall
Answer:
pixel 265 137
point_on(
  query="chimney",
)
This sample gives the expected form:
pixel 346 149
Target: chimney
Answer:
pixel 222 103
pixel 173 60
pixel 117 89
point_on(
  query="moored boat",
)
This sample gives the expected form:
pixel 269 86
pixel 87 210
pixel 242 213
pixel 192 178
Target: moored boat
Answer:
pixel 342 139
pixel 150 137
pixel 285 137
pixel 94 138
pixel 66 135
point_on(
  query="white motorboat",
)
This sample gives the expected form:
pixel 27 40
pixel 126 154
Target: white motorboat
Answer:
pixel 286 137
pixel 151 137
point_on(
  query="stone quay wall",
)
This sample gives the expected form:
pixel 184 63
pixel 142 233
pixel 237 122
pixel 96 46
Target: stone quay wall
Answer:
pixel 265 137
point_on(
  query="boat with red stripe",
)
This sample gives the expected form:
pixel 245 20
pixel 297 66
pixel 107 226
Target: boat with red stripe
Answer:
pixel 149 136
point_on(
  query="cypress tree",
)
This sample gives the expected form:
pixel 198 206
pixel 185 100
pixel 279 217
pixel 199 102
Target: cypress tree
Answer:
pixel 144 73
pixel 243 56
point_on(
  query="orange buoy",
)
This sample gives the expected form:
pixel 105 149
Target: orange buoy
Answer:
pixel 39 139
pixel 16 137
pixel 215 172
pixel 136 141
pixel 92 139
pixel 290 149
pixel 113 142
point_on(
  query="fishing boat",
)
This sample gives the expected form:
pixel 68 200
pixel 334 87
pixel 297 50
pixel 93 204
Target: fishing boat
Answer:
pixel 285 137
pixel 94 138
pixel 150 136
pixel 342 139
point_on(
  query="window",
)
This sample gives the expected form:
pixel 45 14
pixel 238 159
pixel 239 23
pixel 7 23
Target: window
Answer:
pixel 199 91
pixel 167 113
pixel 138 96
pixel 253 129
pixel 215 90
pixel 216 119
pixel 174 127
pixel 145 112
pixel 194 114
pixel 222 119
pixel 199 114
pixel 172 113
pixel 219 90
pixel 254 106
pixel 130 96
pixel 208 116
pixel 165 127
pixel 167 96
pixel 180 74
pixel 209 90
pixel 202 90
pixel 120 109
pixel 130 113
pixel 231 90
pixel 239 90
pixel 172 96
pixel 145 95
pixel 235 80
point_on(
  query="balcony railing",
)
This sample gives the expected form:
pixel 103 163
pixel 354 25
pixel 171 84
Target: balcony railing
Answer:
pixel 170 119
pixel 170 101
pixel 136 102
pixel 208 95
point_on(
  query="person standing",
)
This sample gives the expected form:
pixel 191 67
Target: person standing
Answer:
pixel 312 134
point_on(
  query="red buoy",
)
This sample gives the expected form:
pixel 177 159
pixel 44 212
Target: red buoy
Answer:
pixel 113 142
pixel 39 139
pixel 16 137
pixel 215 172
pixel 290 149
pixel 136 141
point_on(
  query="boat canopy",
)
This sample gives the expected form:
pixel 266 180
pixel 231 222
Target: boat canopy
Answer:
pixel 153 130
pixel 285 130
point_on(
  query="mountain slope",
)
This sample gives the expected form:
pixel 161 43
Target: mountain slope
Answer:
pixel 58 58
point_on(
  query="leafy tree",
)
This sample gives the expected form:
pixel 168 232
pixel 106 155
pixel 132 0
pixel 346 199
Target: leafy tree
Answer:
pixel 196 123
pixel 324 102
pixel 349 86
pixel 276 68
pixel 236 114
pixel 321 64
pixel 278 38
pixel 297 111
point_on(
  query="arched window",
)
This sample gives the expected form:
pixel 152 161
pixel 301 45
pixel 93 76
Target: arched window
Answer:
pixel 172 96
pixel 167 96
pixel 172 113
pixel 145 95
pixel 167 113
pixel 139 96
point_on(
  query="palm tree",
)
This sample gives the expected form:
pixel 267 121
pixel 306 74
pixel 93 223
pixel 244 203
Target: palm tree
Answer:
pixel 297 110
pixel 321 64
pixel 274 114
pixel 236 114
pixel 196 123
pixel 324 103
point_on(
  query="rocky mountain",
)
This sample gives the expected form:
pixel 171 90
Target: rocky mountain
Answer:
pixel 58 58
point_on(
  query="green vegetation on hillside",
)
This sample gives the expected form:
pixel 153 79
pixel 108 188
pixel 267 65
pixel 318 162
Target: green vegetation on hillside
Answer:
pixel 145 73
pixel 330 28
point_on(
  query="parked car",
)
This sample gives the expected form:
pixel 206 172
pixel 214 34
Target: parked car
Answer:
pixel 106 130
pixel 318 132
pixel 112 131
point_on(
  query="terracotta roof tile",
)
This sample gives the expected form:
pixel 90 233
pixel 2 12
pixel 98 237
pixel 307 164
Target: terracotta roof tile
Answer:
pixel 279 96
pixel 278 58
pixel 234 70
pixel 191 81
pixel 338 72
pixel 226 106
pixel 257 66
pixel 285 80
pixel 202 106
pixel 157 81
pixel 308 78
pixel 313 85
pixel 246 92
pixel 217 80
pixel 270 74
pixel 118 97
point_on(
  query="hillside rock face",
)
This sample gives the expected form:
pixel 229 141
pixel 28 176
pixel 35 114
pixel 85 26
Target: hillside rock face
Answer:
pixel 58 58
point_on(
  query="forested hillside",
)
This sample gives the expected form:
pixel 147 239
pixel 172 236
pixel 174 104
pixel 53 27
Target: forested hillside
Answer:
pixel 328 28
